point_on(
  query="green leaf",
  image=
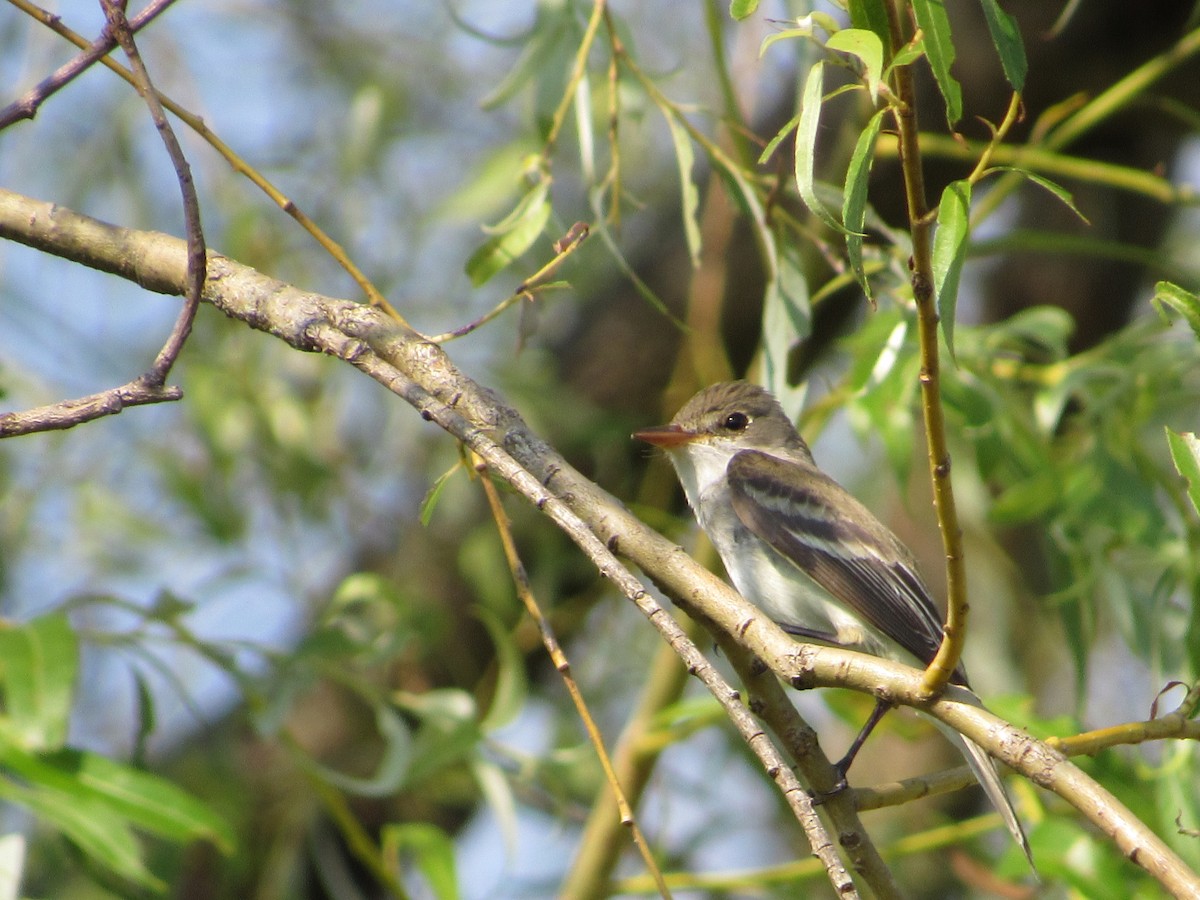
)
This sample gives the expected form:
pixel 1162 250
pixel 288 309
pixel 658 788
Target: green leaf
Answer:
pixel 786 320
pixel 1006 37
pixel 511 237
pixel 871 15
pixel 393 769
pixel 783 132
pixel 806 145
pixel 741 9
pixel 867 47
pixel 449 732
pixel 685 159
pixel 511 688
pixel 432 850
pixel 97 802
pixel 1068 200
pixel 854 201
pixel 492 782
pixel 148 802
pixel 1185 453
pixel 785 35
pixel 39 661
pixel 429 504
pixel 939 49
pixel 1183 302
pixel 600 226
pixel 748 200
pixel 949 251
pixel 97 831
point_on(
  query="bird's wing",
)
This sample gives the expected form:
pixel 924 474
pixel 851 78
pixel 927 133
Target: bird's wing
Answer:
pixel 860 563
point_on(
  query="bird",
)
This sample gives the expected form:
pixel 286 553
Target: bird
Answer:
pixel 805 551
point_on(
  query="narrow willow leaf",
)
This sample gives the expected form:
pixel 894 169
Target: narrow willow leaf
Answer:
pixel 745 197
pixel 939 49
pixel 600 226
pixel 854 200
pixel 432 851
pixel 146 801
pixel 787 34
pixel 685 159
pixel 1065 196
pixel 806 145
pixel 1006 37
pixel 1183 302
pixel 392 769
pixel 516 234
pixel 783 132
pixel 511 688
pixel 429 504
pixel 583 128
pixel 1185 453
pixel 871 15
pixel 786 320
pixel 493 783
pixel 741 9
pixel 39 660
pixel 949 251
pixel 100 834
pixel 868 48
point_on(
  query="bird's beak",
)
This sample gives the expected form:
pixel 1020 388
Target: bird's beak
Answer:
pixel 668 437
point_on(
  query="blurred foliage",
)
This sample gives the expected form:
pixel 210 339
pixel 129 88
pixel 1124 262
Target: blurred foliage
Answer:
pixel 265 643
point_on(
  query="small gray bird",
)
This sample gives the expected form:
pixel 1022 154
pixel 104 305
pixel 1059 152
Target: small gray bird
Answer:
pixel 803 550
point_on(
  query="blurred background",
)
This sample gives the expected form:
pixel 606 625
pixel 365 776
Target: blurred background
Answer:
pixel 289 579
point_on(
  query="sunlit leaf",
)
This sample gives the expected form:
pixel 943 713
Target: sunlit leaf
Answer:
pixel 431 849
pixel 39 661
pixel 500 800
pixel 1185 453
pixel 741 9
pixel 685 159
pixel 99 833
pixel 868 48
pixel 787 319
pixel 787 34
pixel 949 252
pixel 434 494
pixel 806 145
pixel 1056 189
pixel 513 236
pixel 511 689
pixel 939 49
pixel 1183 302
pixel 871 15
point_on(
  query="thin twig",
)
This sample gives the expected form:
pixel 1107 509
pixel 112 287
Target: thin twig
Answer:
pixel 563 248
pixel 27 106
pixel 197 270
pixel 69 413
pixel 942 666
pixel 239 165
pixel 563 667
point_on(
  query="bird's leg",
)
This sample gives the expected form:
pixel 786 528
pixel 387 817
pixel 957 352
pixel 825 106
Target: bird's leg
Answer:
pixel 843 764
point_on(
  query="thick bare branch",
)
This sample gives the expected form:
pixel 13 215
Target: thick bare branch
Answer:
pixel 423 375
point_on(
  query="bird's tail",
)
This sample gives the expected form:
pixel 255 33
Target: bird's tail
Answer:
pixel 985 771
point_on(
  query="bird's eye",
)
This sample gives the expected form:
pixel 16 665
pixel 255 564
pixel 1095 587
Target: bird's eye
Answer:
pixel 736 421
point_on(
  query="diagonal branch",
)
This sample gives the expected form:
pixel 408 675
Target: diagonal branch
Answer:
pixel 422 374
